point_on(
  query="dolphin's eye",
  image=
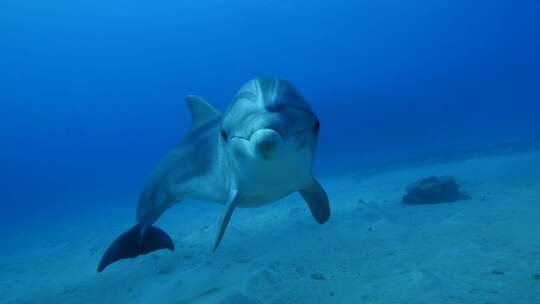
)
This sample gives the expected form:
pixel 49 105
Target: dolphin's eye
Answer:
pixel 224 134
pixel 317 126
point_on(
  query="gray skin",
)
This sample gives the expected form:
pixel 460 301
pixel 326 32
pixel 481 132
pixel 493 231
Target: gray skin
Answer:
pixel 259 151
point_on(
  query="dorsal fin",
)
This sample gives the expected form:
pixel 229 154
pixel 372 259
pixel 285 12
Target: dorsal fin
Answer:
pixel 201 111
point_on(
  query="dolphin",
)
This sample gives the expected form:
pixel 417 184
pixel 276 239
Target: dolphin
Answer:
pixel 259 151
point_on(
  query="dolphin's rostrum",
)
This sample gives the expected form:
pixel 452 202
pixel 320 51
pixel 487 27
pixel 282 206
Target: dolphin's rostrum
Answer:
pixel 259 151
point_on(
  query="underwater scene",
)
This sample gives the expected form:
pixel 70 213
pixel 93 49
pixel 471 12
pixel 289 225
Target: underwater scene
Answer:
pixel 253 152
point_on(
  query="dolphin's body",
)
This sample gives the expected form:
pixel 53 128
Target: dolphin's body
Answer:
pixel 259 151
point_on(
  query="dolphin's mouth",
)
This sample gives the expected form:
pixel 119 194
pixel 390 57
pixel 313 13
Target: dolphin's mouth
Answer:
pixel 283 136
pixel 266 143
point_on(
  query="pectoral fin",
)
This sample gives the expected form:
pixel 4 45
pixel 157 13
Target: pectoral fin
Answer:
pixel 317 200
pixel 229 208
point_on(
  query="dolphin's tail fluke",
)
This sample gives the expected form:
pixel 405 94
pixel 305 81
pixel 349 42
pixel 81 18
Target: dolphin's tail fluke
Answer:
pixel 131 244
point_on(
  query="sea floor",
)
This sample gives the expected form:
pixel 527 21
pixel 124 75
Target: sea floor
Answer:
pixel 484 250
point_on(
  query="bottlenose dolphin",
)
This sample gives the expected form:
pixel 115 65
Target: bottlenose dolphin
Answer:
pixel 259 151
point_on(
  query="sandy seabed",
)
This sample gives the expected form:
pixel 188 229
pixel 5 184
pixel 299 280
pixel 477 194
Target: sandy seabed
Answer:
pixel 484 250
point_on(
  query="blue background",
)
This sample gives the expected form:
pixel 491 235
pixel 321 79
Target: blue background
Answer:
pixel 91 92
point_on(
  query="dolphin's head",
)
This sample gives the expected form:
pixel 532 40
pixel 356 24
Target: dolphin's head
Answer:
pixel 269 122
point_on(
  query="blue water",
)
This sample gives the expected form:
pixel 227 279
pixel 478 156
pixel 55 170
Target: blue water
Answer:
pixel 91 92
